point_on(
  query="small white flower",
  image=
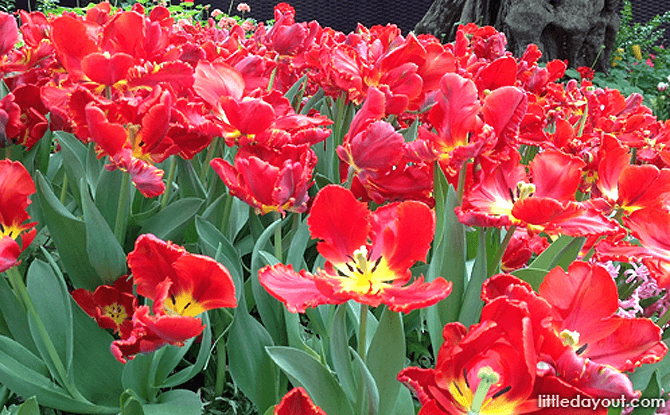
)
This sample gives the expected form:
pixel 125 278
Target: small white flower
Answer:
pixel 662 86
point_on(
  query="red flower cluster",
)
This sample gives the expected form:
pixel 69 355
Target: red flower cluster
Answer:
pixel 565 340
pixel 180 285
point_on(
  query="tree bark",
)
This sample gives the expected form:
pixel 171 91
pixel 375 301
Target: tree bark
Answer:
pixel 579 31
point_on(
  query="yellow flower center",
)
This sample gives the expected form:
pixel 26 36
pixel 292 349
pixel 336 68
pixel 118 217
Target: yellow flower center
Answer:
pixel 183 305
pixel 117 312
pixel 364 275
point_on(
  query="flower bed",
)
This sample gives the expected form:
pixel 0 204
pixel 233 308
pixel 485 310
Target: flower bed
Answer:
pixel 226 216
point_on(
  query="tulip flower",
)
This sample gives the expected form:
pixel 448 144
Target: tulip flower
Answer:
pixel 368 256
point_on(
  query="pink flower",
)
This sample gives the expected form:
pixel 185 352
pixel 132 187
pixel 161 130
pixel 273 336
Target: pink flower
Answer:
pixel 248 26
pixel 243 8
pixel 216 12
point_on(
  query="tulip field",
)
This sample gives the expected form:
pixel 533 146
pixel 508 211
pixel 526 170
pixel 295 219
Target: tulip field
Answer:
pixel 207 215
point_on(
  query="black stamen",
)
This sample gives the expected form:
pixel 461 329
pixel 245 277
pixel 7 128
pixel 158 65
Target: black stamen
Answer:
pixel 349 267
pixel 186 306
pixel 511 194
pixel 582 349
pixel 465 376
pixel 360 271
pixel 458 389
pixel 501 392
pixel 174 301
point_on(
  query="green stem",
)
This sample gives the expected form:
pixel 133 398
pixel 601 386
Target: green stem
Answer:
pixel 362 331
pixel 503 246
pixel 220 367
pixel 19 286
pixel 461 181
pixel 227 207
pixel 208 158
pixel 273 75
pixel 168 185
pixel 278 247
pixel 120 223
pixel 63 190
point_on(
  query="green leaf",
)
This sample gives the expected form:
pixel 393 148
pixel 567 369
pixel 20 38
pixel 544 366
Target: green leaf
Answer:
pixel 102 248
pixel 96 373
pixel 52 302
pixel 448 261
pixel 31 383
pixel 69 235
pixel 212 241
pixel 299 242
pixel 369 391
pixel 405 404
pixel 16 351
pixel 136 377
pixel 175 402
pixel 131 405
pixel 74 158
pixel 105 200
pixel 171 221
pixel 387 357
pixel 250 367
pixel 532 276
pixel 15 316
pixel 188 180
pixel 561 253
pixel 472 303
pixel 271 310
pixel 614 411
pixel 642 375
pixel 652 391
pixel 339 351
pixel 169 363
pixel 303 370
pixel 29 407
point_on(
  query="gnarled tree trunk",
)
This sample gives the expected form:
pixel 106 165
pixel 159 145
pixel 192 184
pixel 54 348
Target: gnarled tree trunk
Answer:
pixel 580 31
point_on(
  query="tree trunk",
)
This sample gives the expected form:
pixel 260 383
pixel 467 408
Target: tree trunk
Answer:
pixel 579 31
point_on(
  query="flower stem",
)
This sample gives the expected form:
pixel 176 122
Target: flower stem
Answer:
pixel 362 331
pixel 461 181
pixel 220 367
pixel 278 247
pixel 120 223
pixel 63 190
pixel 208 158
pixel 502 247
pixel 20 289
pixel 168 185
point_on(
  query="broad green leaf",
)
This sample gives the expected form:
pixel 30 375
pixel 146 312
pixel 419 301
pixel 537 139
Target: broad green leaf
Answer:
pixel 188 180
pixel 561 253
pixel 447 261
pixel 642 374
pixel 299 242
pixel 96 373
pixel 339 350
pixel 652 391
pixel 303 370
pixel 31 383
pixel 102 248
pixel 107 200
pixel 386 358
pixel 52 303
pixel 271 310
pixel 74 159
pixel 614 411
pixel 532 276
pixel 169 363
pixel 22 355
pixel 15 316
pixel 472 303
pixel 171 221
pixel 405 404
pixel 136 376
pixel 369 393
pixel 250 367
pixel 29 407
pixel 94 167
pixel 69 235
pixel 131 405
pixel 175 402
